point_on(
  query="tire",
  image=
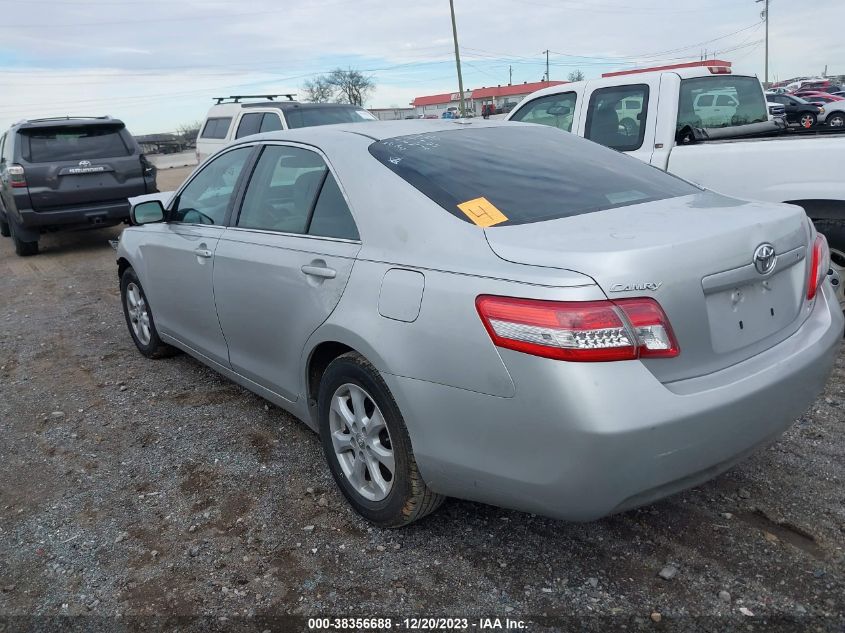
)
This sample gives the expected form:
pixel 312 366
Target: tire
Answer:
pixel 836 119
pixel 834 231
pixel 139 318
pixel 5 230
pixel 22 248
pixel 365 450
pixel 807 120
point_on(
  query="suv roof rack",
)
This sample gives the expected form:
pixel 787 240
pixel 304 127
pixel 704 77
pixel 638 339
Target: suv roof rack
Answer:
pixel 237 98
pixel 65 118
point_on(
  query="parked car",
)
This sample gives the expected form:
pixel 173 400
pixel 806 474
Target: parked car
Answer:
pixel 516 330
pixel 68 174
pixel 776 111
pixel 822 97
pixel 741 154
pixel 238 116
pixel 448 114
pixel 798 110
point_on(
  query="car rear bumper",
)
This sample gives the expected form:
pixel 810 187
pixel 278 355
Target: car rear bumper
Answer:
pixel 87 216
pixel 582 440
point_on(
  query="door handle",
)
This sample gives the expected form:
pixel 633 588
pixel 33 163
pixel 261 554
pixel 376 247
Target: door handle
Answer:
pixel 203 252
pixel 319 271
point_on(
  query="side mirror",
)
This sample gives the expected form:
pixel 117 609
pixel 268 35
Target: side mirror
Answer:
pixel 146 213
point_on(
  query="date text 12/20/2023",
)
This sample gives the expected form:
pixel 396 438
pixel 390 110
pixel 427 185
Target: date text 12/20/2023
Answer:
pixel 415 624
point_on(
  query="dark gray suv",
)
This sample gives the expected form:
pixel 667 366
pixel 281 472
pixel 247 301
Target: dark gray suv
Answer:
pixel 68 174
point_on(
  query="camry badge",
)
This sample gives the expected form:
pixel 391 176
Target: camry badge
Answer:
pixel 647 285
pixel 765 258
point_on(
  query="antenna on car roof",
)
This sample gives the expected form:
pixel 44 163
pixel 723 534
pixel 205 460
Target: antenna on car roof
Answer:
pixel 237 98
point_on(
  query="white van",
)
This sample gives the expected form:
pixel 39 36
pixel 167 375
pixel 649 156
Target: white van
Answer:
pixel 241 115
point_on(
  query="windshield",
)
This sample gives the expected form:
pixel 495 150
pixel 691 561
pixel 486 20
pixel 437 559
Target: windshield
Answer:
pixel 78 142
pixel 517 173
pixel 307 117
pixel 721 101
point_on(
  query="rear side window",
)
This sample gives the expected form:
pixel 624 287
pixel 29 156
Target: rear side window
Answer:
pixel 270 123
pixel 44 145
pixel 308 117
pixel 250 124
pixel 331 216
pixel 527 173
pixel 217 127
pixel 554 110
pixel 616 117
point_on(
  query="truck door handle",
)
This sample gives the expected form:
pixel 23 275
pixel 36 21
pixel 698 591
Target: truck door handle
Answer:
pixel 203 252
pixel 319 271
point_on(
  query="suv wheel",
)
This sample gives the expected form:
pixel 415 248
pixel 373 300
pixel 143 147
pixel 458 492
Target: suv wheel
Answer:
pixel 837 119
pixel 22 248
pixel 4 228
pixel 139 318
pixel 367 446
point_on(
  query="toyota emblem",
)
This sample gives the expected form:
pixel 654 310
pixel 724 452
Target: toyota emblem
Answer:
pixel 85 163
pixel 765 258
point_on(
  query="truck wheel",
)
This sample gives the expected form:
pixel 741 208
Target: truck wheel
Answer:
pixel 22 248
pixel 367 446
pixel 808 120
pixel 836 119
pixel 835 233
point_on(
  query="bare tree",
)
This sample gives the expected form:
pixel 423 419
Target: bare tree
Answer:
pixel 189 131
pixel 318 90
pixel 351 86
pixel 576 75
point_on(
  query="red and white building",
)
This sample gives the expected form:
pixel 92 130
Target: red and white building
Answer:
pixel 504 97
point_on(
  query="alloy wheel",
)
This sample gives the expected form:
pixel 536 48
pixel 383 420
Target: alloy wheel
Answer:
pixel 837 278
pixel 139 316
pixel 361 442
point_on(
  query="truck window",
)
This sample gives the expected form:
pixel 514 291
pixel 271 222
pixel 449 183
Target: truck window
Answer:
pixel 554 110
pixel 622 128
pixel 250 124
pixel 217 127
pixel 271 122
pixel 738 101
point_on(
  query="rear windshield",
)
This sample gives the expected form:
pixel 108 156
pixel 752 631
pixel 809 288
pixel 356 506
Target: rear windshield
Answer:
pixel 307 117
pixel 524 173
pixel 73 143
pixel 721 101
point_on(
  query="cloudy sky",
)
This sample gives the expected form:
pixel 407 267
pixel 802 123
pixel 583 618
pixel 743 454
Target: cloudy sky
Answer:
pixel 157 63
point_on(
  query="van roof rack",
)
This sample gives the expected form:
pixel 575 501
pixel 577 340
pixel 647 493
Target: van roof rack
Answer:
pixel 237 98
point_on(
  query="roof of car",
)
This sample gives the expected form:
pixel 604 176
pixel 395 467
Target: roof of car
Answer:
pixel 63 121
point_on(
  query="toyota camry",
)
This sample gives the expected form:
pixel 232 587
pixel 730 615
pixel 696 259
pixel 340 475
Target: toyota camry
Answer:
pixel 493 311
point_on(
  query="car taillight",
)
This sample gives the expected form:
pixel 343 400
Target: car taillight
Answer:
pixel 17 178
pixel 819 265
pixel 584 331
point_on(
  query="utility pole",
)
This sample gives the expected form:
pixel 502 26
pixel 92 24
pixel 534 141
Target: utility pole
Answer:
pixel 510 75
pixel 547 64
pixel 765 16
pixel 457 57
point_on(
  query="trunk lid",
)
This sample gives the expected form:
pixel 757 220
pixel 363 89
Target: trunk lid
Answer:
pixel 694 255
pixel 73 165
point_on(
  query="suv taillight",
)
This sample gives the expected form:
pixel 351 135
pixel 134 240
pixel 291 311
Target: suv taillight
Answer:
pixel 17 178
pixel 584 331
pixel 819 265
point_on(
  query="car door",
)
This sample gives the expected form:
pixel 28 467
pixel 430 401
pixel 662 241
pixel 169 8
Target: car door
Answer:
pixel 282 266
pixel 179 255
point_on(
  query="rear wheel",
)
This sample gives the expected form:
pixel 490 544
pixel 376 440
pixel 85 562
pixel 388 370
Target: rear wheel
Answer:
pixel 22 247
pixel 836 119
pixel 367 446
pixel 807 120
pixel 4 228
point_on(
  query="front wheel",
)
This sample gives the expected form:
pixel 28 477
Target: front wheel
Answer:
pixel 139 317
pixel 367 446
pixel 808 120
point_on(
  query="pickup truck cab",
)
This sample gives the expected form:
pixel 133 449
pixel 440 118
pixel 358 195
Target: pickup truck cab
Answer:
pixel 710 126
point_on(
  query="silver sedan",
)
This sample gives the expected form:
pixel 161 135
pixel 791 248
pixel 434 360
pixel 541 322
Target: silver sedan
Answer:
pixel 493 311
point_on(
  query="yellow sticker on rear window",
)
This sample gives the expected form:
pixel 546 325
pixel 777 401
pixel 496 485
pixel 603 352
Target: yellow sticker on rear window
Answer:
pixel 482 212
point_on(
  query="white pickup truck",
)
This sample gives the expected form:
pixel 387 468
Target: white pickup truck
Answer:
pixel 710 126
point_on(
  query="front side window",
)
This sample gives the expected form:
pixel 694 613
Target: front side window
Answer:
pixel 616 117
pixel 554 110
pixel 206 198
pixel 217 127
pixel 721 101
pixel 528 173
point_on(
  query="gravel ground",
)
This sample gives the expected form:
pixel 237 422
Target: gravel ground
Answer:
pixel 139 493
